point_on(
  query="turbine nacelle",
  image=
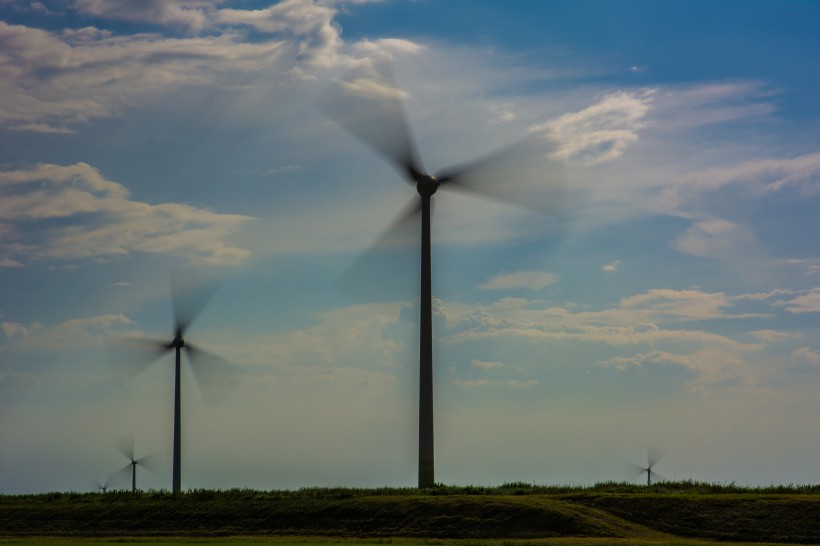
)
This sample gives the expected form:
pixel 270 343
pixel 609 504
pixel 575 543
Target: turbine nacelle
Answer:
pixel 426 185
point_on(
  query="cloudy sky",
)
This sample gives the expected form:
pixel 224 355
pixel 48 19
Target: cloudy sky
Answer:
pixel 670 297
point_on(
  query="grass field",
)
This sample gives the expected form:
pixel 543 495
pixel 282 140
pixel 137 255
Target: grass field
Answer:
pixel 514 514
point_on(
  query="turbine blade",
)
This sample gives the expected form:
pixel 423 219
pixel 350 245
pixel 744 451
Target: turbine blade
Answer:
pixel 523 174
pixel 121 475
pixel 634 470
pixel 127 356
pixel 216 377
pixel 368 105
pixel 125 445
pixel 656 477
pixel 390 262
pixel 190 291
pixel 654 455
pixel 149 462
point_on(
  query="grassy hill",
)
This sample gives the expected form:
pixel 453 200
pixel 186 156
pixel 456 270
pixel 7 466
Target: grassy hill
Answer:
pixel 687 509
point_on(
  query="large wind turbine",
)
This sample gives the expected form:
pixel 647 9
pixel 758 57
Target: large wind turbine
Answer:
pixel 369 106
pixel 128 356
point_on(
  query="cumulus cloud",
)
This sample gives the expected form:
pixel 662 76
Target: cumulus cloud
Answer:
pixel 530 279
pixel 70 334
pixel 70 212
pixel 612 266
pixel 600 132
pixel 192 14
pixel 715 238
pixel 53 82
pixel 806 355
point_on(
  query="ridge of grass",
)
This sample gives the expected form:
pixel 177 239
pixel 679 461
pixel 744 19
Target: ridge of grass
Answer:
pixel 726 512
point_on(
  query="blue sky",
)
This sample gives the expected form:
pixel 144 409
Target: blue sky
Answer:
pixel 674 301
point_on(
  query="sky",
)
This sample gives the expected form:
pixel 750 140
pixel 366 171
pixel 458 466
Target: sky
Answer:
pixel 670 296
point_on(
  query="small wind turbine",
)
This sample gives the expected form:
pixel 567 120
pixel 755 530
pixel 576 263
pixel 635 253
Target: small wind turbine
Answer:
pixel 126 447
pixel 653 457
pixel 128 356
pixel 369 106
pixel 102 486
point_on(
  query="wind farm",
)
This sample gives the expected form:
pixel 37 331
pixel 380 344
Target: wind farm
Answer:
pixel 471 258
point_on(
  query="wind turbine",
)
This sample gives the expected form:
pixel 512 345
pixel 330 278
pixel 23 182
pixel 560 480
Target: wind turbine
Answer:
pixel 102 486
pixel 126 447
pixel 653 456
pixel 369 106
pixel 128 356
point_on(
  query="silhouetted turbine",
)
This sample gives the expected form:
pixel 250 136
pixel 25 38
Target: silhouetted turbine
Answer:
pixel 653 457
pixel 126 447
pixel 216 377
pixel 369 106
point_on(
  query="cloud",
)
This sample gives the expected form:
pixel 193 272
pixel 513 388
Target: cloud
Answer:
pixel 708 367
pixel 715 238
pixel 71 334
pixel 484 365
pixel 509 383
pixel 600 132
pixel 774 336
pixel 531 280
pixel 612 266
pixel 691 304
pixel 56 82
pixel 805 303
pixel 192 14
pixel 806 355
pixel 72 212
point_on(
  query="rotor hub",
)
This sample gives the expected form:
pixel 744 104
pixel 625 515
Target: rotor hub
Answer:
pixel 178 342
pixel 426 185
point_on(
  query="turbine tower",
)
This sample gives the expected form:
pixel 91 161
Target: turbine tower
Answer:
pixel 216 377
pixel 369 106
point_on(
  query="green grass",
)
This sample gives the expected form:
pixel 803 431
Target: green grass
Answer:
pixel 512 514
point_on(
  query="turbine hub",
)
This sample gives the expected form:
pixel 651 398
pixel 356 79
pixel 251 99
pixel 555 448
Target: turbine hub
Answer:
pixel 178 342
pixel 426 185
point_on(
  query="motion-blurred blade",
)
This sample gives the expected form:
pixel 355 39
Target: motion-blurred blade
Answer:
pixel 150 462
pixel 524 174
pixel 654 455
pixel 390 261
pixel 656 477
pixel 634 470
pixel 125 445
pixel 121 476
pixel 190 290
pixel 128 356
pixel 368 105
pixel 216 377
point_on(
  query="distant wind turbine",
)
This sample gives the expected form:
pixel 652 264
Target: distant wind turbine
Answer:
pixel 369 106
pixel 128 356
pixel 126 447
pixel 653 457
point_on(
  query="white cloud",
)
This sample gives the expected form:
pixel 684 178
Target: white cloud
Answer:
pixel 484 365
pixel 54 82
pixel 600 132
pixel 774 336
pixel 715 238
pixel 612 266
pixel 100 220
pixel 508 383
pixel 805 303
pixel 531 280
pixel 806 355
pixel 191 14
pixel 71 334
